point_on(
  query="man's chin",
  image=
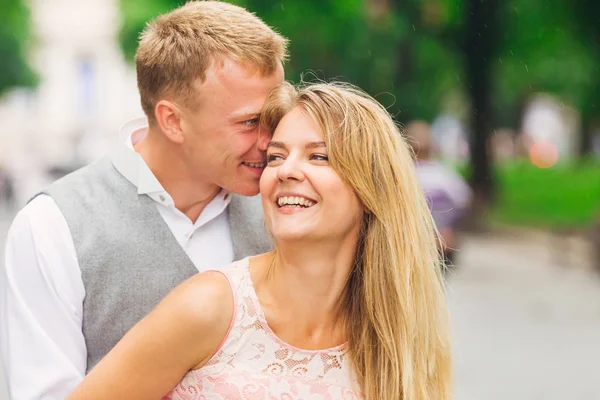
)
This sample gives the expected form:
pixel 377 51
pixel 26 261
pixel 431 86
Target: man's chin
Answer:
pixel 245 190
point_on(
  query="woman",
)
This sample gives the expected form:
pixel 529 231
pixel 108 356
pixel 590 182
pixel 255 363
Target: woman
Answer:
pixel 350 304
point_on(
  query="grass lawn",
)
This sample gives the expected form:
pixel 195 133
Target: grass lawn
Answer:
pixel 564 196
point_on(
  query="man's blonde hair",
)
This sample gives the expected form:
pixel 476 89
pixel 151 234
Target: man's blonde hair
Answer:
pixel 177 48
pixel 394 305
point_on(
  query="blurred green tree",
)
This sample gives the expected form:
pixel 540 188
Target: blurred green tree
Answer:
pixel 513 49
pixel 136 15
pixel 547 46
pixel 586 25
pixel 14 40
pixel 388 48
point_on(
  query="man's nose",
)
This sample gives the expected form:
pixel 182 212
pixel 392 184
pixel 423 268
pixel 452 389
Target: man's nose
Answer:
pixel 263 140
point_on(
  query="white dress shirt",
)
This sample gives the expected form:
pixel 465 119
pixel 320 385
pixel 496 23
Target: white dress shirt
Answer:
pixel 42 293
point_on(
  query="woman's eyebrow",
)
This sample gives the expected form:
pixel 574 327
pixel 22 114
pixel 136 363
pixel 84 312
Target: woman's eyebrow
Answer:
pixel 311 145
pixel 279 145
pixel 314 145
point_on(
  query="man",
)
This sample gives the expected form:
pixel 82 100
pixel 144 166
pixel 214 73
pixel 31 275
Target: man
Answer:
pixel 95 252
pixel 447 193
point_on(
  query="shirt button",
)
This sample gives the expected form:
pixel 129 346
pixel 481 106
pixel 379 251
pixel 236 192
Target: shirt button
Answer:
pixel 161 197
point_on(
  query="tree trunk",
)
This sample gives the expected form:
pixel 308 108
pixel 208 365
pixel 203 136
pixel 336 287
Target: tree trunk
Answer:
pixel 590 116
pixel 405 56
pixel 480 47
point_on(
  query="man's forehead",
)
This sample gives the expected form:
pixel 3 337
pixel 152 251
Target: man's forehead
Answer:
pixel 239 90
pixel 225 71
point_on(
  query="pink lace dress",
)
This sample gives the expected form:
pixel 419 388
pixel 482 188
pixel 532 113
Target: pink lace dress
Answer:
pixel 253 364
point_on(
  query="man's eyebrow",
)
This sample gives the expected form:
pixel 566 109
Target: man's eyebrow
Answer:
pixel 245 115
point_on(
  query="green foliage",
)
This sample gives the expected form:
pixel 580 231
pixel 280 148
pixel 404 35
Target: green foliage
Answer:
pixel 541 52
pixel 396 57
pixel 350 47
pixel 136 14
pixel 14 35
pixel 586 26
pixel 564 196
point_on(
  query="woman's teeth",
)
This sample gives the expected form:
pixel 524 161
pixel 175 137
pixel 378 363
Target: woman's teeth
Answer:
pixel 294 201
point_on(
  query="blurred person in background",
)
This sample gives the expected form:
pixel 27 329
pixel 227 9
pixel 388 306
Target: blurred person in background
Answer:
pixel 96 251
pixel 350 304
pixel 447 193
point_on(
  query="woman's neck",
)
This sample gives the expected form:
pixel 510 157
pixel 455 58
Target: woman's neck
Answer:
pixel 301 288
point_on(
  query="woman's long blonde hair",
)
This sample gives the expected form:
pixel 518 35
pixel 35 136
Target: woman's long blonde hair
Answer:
pixel 394 307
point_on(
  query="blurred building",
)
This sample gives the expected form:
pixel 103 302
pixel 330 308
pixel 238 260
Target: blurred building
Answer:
pixel 86 92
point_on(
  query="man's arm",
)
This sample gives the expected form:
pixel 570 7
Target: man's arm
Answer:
pixel 41 306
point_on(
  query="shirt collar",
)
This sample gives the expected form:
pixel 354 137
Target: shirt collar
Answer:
pixel 130 164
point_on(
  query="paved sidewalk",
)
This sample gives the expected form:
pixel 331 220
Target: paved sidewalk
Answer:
pixel 524 328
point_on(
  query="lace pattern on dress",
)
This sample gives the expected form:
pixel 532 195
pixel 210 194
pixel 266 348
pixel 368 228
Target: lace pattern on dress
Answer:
pixel 254 364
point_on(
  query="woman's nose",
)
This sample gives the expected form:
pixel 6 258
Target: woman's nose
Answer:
pixel 290 169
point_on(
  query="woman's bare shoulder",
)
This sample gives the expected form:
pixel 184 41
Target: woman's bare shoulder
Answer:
pixel 199 312
pixel 205 300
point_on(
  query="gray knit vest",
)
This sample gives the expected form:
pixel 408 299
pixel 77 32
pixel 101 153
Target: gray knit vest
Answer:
pixel 128 257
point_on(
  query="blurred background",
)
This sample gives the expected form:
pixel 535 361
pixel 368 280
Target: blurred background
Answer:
pixel 507 95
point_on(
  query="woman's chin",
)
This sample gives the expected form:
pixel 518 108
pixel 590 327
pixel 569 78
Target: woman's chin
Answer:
pixel 292 235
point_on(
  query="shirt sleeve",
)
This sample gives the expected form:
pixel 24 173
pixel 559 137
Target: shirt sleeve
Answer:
pixel 41 306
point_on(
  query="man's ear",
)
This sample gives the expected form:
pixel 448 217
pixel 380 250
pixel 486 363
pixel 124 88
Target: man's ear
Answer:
pixel 168 119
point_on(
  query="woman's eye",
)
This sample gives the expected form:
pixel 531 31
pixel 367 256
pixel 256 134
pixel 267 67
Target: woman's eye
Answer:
pixel 273 157
pixel 319 157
